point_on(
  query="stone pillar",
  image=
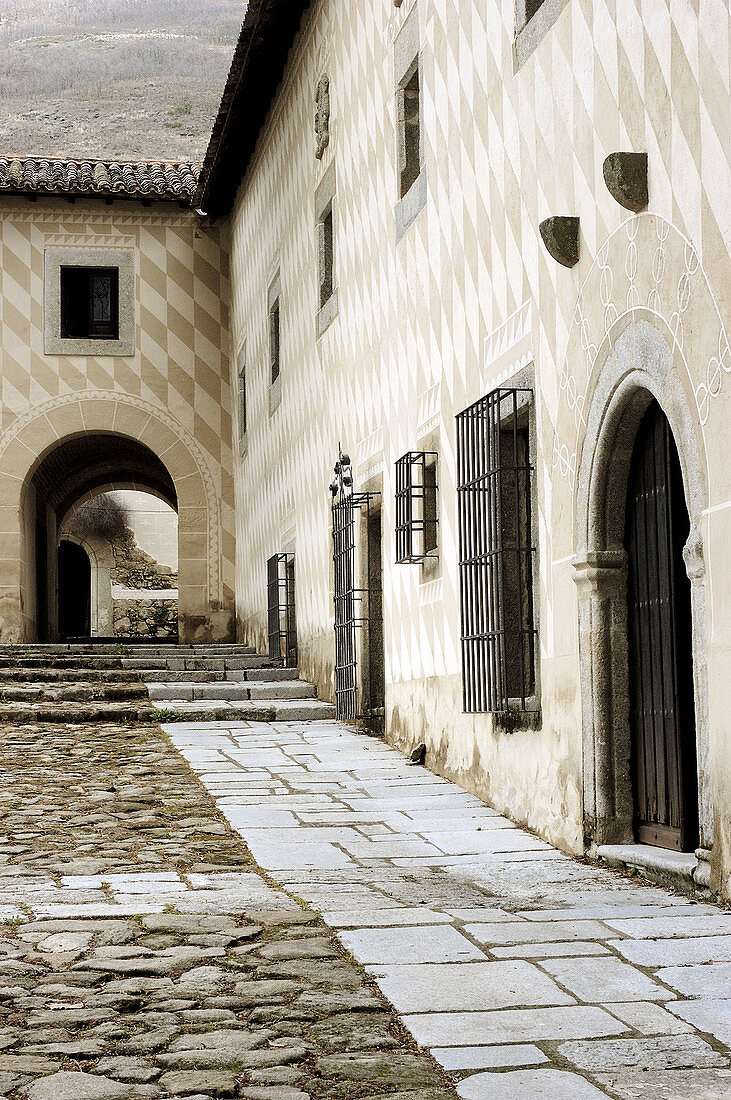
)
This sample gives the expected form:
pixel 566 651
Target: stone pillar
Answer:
pixel 601 578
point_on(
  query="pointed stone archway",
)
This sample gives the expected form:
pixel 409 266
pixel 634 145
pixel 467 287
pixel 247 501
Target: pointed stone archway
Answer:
pixel 44 471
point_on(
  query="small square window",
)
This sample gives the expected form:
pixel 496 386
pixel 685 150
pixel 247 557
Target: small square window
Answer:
pixel 274 360
pixel 89 303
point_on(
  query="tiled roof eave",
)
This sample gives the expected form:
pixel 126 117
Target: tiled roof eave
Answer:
pixel 162 181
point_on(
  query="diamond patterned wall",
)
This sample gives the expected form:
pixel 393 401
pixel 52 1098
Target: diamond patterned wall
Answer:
pixel 467 299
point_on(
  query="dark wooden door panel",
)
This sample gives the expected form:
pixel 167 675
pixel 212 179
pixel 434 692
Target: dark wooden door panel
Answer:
pixel 659 625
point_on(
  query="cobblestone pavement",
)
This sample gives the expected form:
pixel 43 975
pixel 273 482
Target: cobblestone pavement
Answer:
pixel 529 975
pixel 143 954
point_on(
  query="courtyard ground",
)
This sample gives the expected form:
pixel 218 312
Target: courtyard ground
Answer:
pixel 147 951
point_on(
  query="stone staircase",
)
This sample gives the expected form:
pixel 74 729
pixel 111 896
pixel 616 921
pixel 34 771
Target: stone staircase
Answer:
pixel 47 683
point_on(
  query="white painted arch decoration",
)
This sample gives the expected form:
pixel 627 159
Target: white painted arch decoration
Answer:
pixel 645 269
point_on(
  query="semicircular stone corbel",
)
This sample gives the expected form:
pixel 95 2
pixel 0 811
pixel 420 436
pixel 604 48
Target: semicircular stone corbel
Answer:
pixel 561 238
pixel 625 175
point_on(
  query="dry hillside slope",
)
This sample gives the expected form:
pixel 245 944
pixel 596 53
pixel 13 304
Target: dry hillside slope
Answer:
pixel 113 78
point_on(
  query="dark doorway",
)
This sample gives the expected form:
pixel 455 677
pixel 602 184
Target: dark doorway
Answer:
pixel 374 685
pixel 662 712
pixel 74 591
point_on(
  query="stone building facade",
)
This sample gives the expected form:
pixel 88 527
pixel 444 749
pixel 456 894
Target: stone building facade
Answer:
pixel 151 410
pixel 444 293
pixel 442 255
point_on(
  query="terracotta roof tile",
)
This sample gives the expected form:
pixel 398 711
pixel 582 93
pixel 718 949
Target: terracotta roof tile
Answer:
pixel 129 179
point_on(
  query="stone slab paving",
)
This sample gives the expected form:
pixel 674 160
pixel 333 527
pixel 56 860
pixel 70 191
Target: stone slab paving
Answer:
pixel 528 974
pixel 143 954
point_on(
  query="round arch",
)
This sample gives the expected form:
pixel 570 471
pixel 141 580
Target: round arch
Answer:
pixel 636 362
pixel 205 610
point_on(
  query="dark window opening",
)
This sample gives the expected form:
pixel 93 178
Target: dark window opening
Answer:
pixel 326 249
pixel 416 506
pixel 410 132
pixel 243 424
pixel 531 7
pixel 89 303
pixel 496 553
pixel 274 339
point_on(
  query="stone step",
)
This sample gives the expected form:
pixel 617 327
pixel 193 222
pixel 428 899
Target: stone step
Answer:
pixel 206 676
pixel 92 662
pixel 203 710
pixel 26 675
pixel 55 713
pixel 227 690
pixel 280 710
pixel 60 648
pixel 75 693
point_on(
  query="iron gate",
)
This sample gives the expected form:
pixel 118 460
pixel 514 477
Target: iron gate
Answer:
pixel 281 613
pixel 352 593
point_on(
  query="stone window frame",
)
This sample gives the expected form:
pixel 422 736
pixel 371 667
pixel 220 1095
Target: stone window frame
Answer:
pixel 242 410
pixel 529 31
pixel 407 62
pixel 274 342
pixel 325 205
pixel 123 259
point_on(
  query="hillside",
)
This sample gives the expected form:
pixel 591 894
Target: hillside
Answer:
pixel 113 78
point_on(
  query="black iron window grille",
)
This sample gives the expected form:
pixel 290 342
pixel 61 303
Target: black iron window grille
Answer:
pixel 496 553
pixel 281 610
pixel 357 603
pixel 416 507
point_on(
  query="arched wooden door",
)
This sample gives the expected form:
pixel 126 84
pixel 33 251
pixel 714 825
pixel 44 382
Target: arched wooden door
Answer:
pixel 662 710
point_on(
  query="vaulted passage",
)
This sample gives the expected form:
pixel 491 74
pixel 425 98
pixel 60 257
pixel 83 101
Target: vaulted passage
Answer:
pixel 73 471
pixel 660 642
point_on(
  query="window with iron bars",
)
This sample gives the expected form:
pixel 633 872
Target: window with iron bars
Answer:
pixel 496 553
pixel 416 507
pixel 281 610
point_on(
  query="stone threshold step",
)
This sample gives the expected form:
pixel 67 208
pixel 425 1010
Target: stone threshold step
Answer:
pixel 680 870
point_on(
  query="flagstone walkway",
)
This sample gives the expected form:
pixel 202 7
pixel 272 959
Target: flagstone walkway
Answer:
pixel 144 955
pixel 527 974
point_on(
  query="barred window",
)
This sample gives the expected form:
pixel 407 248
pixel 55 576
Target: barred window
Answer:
pixel 496 553
pixel 416 506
